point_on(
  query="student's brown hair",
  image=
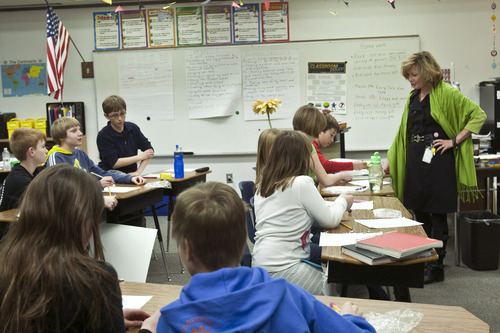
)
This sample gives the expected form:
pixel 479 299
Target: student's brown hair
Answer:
pixel 24 138
pixel 113 103
pixel 266 140
pixel 289 157
pixel 426 65
pixel 331 122
pixel 211 218
pixel 309 120
pixel 45 263
pixel 61 126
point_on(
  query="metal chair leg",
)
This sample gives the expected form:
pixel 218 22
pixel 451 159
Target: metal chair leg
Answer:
pixel 160 241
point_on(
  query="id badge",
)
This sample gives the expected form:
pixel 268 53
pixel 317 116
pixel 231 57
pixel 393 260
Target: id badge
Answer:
pixel 427 155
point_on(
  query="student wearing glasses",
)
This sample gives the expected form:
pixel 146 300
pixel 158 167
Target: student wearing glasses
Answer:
pixel 119 141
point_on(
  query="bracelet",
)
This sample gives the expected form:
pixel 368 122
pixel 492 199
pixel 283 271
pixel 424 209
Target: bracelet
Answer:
pixel 454 141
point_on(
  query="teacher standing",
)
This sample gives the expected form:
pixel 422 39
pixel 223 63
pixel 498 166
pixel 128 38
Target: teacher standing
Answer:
pixel 432 155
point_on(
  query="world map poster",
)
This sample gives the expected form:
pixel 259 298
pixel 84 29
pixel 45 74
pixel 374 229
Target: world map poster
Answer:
pixel 20 79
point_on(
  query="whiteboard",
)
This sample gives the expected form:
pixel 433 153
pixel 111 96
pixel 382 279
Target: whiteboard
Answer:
pixel 376 91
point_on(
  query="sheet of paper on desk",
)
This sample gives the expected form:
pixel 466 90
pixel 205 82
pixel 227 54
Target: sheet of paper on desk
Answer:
pixel 328 239
pixel 388 223
pixel 134 302
pixel 365 182
pixel 152 176
pixel 343 189
pixel 357 174
pixel 362 205
pixel 119 189
pixel 357 205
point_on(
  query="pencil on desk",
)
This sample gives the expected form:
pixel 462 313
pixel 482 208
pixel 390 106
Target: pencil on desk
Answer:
pixel 109 188
pixel 345 225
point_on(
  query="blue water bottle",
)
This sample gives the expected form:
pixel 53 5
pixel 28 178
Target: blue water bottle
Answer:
pixel 178 162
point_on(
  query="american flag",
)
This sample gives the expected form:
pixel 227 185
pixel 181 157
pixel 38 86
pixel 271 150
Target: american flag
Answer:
pixel 57 53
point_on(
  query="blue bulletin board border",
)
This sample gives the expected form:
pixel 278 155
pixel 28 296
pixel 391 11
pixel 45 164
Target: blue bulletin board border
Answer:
pixel 249 7
pixel 113 15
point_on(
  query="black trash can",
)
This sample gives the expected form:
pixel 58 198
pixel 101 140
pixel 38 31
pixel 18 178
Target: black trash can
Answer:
pixel 480 239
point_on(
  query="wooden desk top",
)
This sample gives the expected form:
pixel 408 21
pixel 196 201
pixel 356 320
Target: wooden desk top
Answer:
pixel 11 214
pixel 437 318
pixel 386 190
pixel 335 253
pixel 187 176
pixel 139 189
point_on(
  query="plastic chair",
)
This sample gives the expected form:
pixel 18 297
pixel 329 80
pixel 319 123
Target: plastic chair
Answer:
pixel 251 221
pixel 247 193
pixel 246 189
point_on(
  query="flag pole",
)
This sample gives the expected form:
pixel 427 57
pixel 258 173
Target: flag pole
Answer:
pixel 77 50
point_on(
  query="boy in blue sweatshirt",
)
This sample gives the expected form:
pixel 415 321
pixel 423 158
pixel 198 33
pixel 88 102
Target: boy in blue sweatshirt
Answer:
pixel 210 229
pixel 68 137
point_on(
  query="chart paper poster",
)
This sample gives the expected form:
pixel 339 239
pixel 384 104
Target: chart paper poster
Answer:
pixel 217 25
pixel 106 31
pixel 271 74
pixel 213 82
pixel 24 77
pixel 327 86
pixel 133 24
pixel 246 24
pixel 161 27
pixel 275 22
pixel 189 26
pixel 146 79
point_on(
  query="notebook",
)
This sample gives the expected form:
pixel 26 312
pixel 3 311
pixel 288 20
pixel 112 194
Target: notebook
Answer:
pixel 398 244
pixel 366 256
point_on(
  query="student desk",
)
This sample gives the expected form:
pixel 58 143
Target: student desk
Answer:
pixel 9 215
pixel 128 203
pixel 386 190
pixel 190 179
pixel 437 318
pixel 347 270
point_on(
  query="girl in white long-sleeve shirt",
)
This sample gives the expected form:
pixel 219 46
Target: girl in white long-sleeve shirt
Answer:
pixel 286 203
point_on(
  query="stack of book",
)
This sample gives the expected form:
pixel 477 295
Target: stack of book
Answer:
pixel 391 247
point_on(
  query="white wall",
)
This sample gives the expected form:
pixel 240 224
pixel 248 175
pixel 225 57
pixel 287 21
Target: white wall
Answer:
pixel 457 31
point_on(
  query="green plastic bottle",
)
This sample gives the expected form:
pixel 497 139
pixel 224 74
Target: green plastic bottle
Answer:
pixel 375 173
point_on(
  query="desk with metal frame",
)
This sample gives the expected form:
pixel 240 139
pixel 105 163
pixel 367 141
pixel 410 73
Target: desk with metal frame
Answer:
pixel 348 270
pixel 190 179
pixel 128 203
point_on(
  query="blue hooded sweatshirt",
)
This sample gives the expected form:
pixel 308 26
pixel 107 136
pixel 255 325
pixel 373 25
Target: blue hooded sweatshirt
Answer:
pixel 249 300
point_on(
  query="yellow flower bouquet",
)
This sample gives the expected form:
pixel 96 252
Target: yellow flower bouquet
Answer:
pixel 266 107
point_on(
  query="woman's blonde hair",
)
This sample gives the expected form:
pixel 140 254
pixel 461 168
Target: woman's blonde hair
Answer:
pixel 426 65
pixel 289 157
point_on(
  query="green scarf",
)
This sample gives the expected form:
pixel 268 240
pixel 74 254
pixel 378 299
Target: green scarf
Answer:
pixel 453 112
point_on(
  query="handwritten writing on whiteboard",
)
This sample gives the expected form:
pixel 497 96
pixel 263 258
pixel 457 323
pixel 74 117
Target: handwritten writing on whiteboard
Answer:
pixel 213 82
pixel 145 81
pixel 271 74
pixel 377 96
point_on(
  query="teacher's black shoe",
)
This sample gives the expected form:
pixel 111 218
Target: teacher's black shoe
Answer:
pixel 434 272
